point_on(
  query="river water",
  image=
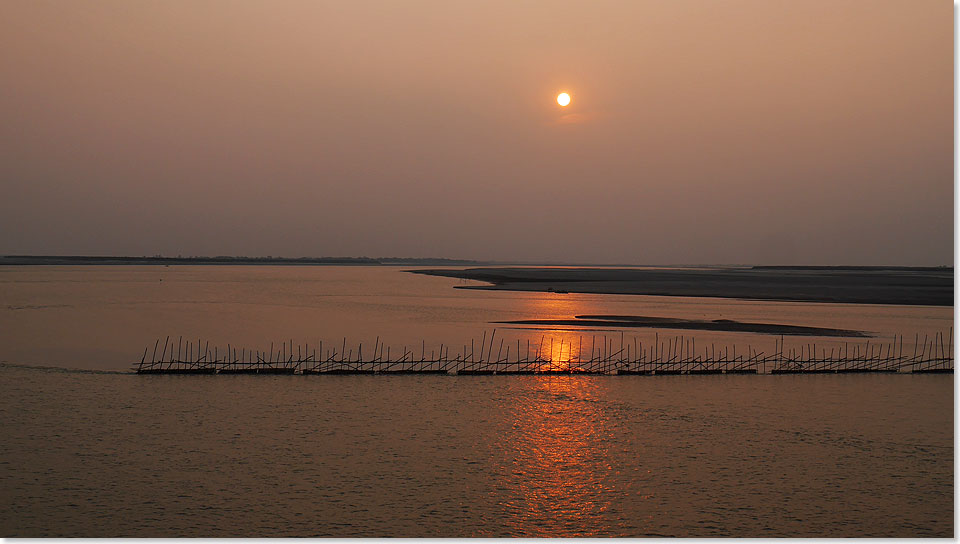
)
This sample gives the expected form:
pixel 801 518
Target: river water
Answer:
pixel 90 450
pixel 104 317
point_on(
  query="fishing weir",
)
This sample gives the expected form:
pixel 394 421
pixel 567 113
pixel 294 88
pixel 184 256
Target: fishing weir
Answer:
pixel 595 355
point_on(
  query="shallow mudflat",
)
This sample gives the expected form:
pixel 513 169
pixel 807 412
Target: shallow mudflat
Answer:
pixel 857 285
pixel 727 325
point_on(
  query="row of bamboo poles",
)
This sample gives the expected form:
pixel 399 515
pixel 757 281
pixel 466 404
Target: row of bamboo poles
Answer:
pixel 598 355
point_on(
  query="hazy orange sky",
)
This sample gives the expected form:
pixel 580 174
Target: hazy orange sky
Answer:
pixel 734 131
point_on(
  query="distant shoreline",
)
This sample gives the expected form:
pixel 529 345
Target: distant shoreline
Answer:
pixel 926 286
pixel 62 260
pixel 39 260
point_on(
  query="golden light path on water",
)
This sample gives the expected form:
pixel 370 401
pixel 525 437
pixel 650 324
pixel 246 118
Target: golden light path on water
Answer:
pixel 442 456
pixel 554 458
pixel 562 349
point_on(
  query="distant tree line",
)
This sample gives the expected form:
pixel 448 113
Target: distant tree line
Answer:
pixel 222 259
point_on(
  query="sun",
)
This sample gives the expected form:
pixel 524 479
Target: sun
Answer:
pixel 563 99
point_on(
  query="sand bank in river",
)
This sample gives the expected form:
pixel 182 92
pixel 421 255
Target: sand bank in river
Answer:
pixel 857 285
pixel 725 325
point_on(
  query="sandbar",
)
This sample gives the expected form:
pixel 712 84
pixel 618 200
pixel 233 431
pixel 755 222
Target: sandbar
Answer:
pixel 852 285
pixel 723 325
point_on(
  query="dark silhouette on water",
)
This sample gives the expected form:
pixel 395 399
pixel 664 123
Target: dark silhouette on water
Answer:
pixel 638 321
pixel 667 356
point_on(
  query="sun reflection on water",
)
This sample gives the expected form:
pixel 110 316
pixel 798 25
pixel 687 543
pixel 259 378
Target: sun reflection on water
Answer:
pixel 556 462
pixel 564 349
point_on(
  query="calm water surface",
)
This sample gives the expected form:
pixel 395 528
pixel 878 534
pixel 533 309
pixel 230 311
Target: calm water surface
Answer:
pixel 93 453
pixel 104 317
pixel 123 455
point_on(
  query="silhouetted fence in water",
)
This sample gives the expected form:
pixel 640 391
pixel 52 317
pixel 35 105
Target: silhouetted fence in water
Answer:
pixel 676 355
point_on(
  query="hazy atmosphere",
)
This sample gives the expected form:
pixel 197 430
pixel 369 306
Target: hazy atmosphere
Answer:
pixel 767 132
pixel 495 368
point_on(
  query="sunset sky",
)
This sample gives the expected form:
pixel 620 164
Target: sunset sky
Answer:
pixel 735 131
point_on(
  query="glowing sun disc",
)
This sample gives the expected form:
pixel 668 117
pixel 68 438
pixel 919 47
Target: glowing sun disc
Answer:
pixel 563 99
